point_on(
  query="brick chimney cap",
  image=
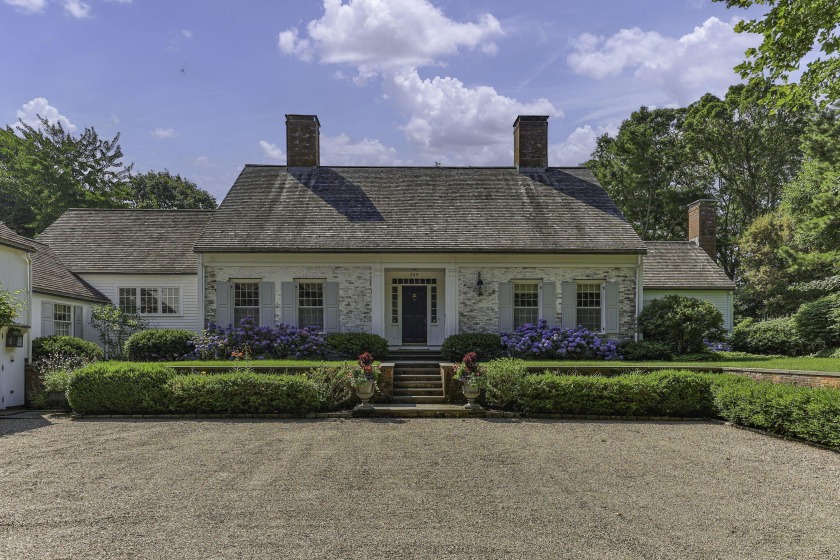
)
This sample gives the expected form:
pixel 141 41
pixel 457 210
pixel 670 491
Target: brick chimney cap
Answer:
pixel 703 201
pixel 303 118
pixel 530 118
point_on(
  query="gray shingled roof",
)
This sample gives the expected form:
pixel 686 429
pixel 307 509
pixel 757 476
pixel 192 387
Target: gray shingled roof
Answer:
pixel 127 241
pixel 50 276
pixel 418 209
pixel 11 239
pixel 680 265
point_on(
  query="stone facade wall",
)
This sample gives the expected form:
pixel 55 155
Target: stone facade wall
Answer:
pixel 354 288
pixel 481 313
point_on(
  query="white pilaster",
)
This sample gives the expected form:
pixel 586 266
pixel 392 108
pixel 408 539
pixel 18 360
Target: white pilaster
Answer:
pixel 377 304
pixel 451 304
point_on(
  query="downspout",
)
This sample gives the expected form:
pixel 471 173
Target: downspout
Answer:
pixel 201 303
pixel 640 291
pixel 28 342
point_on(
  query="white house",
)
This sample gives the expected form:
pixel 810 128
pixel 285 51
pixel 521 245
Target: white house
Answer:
pixel 139 260
pixel 15 278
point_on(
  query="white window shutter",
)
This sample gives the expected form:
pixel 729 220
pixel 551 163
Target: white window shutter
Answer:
pixel 78 315
pixel 505 307
pixel 331 310
pixel 548 291
pixel 223 304
pixel 288 303
pixel 266 304
pixel 611 295
pixel 47 318
pixel 568 305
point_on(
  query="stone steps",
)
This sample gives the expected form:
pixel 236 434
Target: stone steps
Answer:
pixel 418 382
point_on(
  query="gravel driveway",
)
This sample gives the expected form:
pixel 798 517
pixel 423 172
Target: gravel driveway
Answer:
pixel 419 488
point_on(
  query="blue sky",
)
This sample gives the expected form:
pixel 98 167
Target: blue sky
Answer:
pixel 201 88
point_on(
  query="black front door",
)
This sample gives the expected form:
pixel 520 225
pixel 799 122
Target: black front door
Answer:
pixel 414 315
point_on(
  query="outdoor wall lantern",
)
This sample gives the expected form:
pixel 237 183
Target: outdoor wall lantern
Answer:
pixel 479 285
pixel 14 338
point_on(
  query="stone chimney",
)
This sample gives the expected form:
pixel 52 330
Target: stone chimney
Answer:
pixel 702 218
pixel 303 145
pixel 530 142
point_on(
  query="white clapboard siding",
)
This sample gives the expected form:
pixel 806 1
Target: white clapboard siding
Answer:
pixel 721 299
pixel 109 285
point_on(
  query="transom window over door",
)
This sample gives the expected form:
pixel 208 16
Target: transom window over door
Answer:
pixel 311 304
pixel 589 306
pixel 526 303
pixel 246 301
pixel 63 320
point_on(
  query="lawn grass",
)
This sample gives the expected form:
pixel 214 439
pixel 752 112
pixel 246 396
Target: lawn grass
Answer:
pixel 255 363
pixel 786 363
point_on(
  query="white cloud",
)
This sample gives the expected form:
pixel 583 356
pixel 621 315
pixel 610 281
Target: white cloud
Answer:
pixel 30 6
pixel 373 34
pixel 76 8
pixel 685 67
pixel 272 150
pixel 29 112
pixel 186 34
pixel 578 146
pixel 340 150
pixel 460 124
pixel 163 132
pixel 202 161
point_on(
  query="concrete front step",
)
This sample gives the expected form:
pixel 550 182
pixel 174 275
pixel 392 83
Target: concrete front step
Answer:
pixel 420 399
pixel 416 376
pixel 418 391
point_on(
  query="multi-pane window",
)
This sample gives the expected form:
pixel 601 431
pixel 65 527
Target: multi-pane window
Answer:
pixel 63 319
pixel 395 304
pixel 150 301
pixel 589 306
pixel 246 301
pixel 526 304
pixel 311 304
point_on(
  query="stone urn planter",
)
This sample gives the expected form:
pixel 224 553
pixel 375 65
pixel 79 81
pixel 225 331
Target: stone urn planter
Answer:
pixel 365 390
pixel 472 391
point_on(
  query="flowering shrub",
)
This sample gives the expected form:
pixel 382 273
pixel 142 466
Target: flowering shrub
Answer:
pixel 250 341
pixel 542 341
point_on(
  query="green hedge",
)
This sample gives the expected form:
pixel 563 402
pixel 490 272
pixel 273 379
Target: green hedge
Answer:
pixel 668 393
pixel 488 346
pixel 819 321
pixel 812 414
pixel 776 336
pixel 353 344
pixel 66 347
pixel 503 382
pixel 242 393
pixel 681 323
pixel 640 350
pixel 120 388
pixel 159 345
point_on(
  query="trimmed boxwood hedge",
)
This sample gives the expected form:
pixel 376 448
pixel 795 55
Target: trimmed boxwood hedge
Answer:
pixel 159 345
pixel 668 393
pixel 242 393
pixel 812 414
pixel 488 346
pixel 353 344
pixel 120 388
pixel 66 347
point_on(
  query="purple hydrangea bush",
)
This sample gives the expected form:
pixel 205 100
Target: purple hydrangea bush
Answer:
pixel 542 341
pixel 249 341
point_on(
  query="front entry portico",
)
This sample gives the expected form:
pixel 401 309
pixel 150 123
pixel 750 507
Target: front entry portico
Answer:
pixel 414 307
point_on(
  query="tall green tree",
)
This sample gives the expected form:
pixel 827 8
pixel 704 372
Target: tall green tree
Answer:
pixel 161 189
pixel 790 29
pixel 749 151
pixel 46 170
pixel 648 172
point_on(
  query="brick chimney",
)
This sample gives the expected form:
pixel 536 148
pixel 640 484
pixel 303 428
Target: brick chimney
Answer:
pixel 702 218
pixel 530 142
pixel 303 145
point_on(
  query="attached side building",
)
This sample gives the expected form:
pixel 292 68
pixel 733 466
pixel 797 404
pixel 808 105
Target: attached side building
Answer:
pixel 139 260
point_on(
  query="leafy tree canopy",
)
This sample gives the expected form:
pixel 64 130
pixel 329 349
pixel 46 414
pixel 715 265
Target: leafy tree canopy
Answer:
pixel 161 189
pixel 790 30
